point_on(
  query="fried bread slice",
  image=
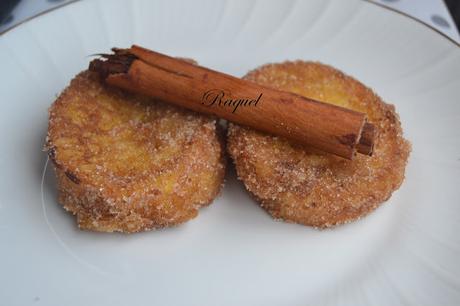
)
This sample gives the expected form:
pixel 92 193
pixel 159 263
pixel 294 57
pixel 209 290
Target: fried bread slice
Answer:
pixel 129 163
pixel 301 185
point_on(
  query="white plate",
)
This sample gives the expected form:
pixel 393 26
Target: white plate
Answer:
pixel 407 252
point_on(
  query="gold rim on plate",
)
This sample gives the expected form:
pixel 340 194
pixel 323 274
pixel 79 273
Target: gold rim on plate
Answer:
pixel 368 1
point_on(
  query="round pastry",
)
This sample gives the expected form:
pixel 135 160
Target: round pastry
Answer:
pixel 129 163
pixel 302 185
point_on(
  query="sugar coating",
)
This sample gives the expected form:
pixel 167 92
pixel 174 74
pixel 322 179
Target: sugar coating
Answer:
pixel 302 185
pixel 129 163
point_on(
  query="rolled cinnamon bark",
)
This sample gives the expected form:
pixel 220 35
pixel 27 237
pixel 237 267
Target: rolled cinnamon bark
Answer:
pixel 330 128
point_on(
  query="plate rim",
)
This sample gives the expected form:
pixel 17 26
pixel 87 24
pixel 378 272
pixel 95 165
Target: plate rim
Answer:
pixel 382 6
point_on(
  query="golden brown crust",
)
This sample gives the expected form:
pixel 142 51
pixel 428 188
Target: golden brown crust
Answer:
pixel 301 185
pixel 127 163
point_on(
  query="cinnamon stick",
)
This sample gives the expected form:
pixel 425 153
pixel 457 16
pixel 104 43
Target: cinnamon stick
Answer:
pixel 330 128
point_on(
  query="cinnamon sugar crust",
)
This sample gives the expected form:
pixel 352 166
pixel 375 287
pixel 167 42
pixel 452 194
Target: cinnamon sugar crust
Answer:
pixel 302 185
pixel 129 163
